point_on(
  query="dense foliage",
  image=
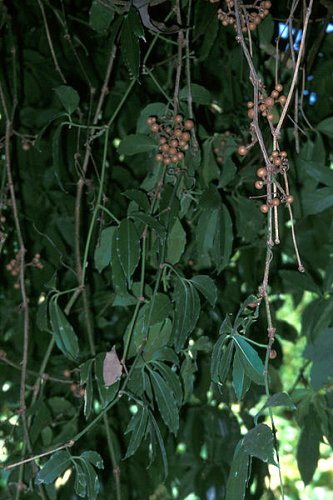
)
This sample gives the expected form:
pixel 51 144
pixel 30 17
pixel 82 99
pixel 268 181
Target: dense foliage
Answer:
pixel 141 356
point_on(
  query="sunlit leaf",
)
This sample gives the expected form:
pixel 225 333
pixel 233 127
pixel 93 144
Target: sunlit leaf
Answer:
pixel 54 467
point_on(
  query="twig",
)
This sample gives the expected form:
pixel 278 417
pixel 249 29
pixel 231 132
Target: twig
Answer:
pixel 44 454
pixel 180 41
pixel 49 39
pixel 296 71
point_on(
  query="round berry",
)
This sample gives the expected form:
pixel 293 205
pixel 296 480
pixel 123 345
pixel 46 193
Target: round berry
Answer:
pixel 180 155
pixel 275 153
pixel 159 157
pixel 178 118
pixel 188 124
pixel 283 154
pixel 279 87
pixel 250 113
pixel 282 100
pixel 269 101
pixel 250 104
pixel 262 172
pixel 262 107
pixel 167 160
pixel 67 373
pixel 289 199
pixel 275 202
pixel 264 209
pixel 165 148
pixel 270 117
pixel 174 143
pixel 185 136
pixel 272 354
pixel 178 132
pixel 155 127
pixel 25 146
pixel 259 184
pixel 172 151
pixel 174 158
pixel 151 120
pixel 257 20
pixel 182 144
pixel 277 162
pixel 227 133
pixel 242 151
pixel 252 26
pixel 275 94
pixel 162 140
pixel 267 5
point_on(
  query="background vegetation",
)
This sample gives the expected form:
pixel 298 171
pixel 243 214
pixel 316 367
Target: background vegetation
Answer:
pixel 154 342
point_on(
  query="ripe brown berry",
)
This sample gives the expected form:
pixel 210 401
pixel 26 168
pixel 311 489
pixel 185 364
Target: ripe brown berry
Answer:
pixel 73 387
pixel 264 209
pixel 262 107
pixel 277 162
pixel 275 153
pixel 182 144
pixel 250 104
pixel 275 202
pixel 178 132
pixel 67 373
pixel 272 354
pixel 186 147
pixel 159 157
pixel 279 87
pixel 262 172
pixel 289 199
pixel 270 117
pixel 165 147
pixel 242 151
pixel 269 101
pixel 244 29
pixel 283 154
pixel 257 20
pixel 151 120
pixel 189 124
pixel 167 160
pixel 25 146
pixel 174 158
pixel 155 127
pixel 282 100
pixel 258 184
pixel 174 143
pixel 275 94
pixel 162 140
pixel 267 5
pixel 250 113
pixel 185 136
pixel 172 151
pixel 180 155
pixel 252 26
pixel 178 118
pixel 227 133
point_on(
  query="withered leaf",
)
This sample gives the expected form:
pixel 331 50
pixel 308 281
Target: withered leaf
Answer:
pixel 112 368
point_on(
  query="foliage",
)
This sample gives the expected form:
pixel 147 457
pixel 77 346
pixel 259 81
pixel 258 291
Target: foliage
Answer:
pixel 137 295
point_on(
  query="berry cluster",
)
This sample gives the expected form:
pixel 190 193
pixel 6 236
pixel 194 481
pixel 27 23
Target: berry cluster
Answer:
pixel 218 149
pixel 14 266
pixel 251 15
pixel 279 161
pixel 266 104
pixel 173 136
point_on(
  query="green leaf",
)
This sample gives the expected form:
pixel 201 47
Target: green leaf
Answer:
pixel 317 201
pixel 308 447
pixel 118 275
pixel 165 400
pixel 200 95
pixel 223 240
pixel 207 287
pixel 299 281
pixel 54 467
pixel 138 427
pixel 134 144
pixel 258 442
pixel 279 399
pixel 103 250
pixel 217 358
pixel 139 197
pixel 129 43
pixel 86 378
pixel 80 484
pixel 128 247
pixel 62 331
pixel 153 109
pixel 69 98
pixel 100 16
pixel 94 458
pixel 239 379
pixel 238 475
pixel 326 127
pixel 151 222
pixel 320 352
pixel 160 310
pixel 171 379
pixel 187 371
pixel 187 310
pixel 318 172
pixel 250 360
pixel 158 337
pixel 154 430
pixel 92 480
pixel 175 243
